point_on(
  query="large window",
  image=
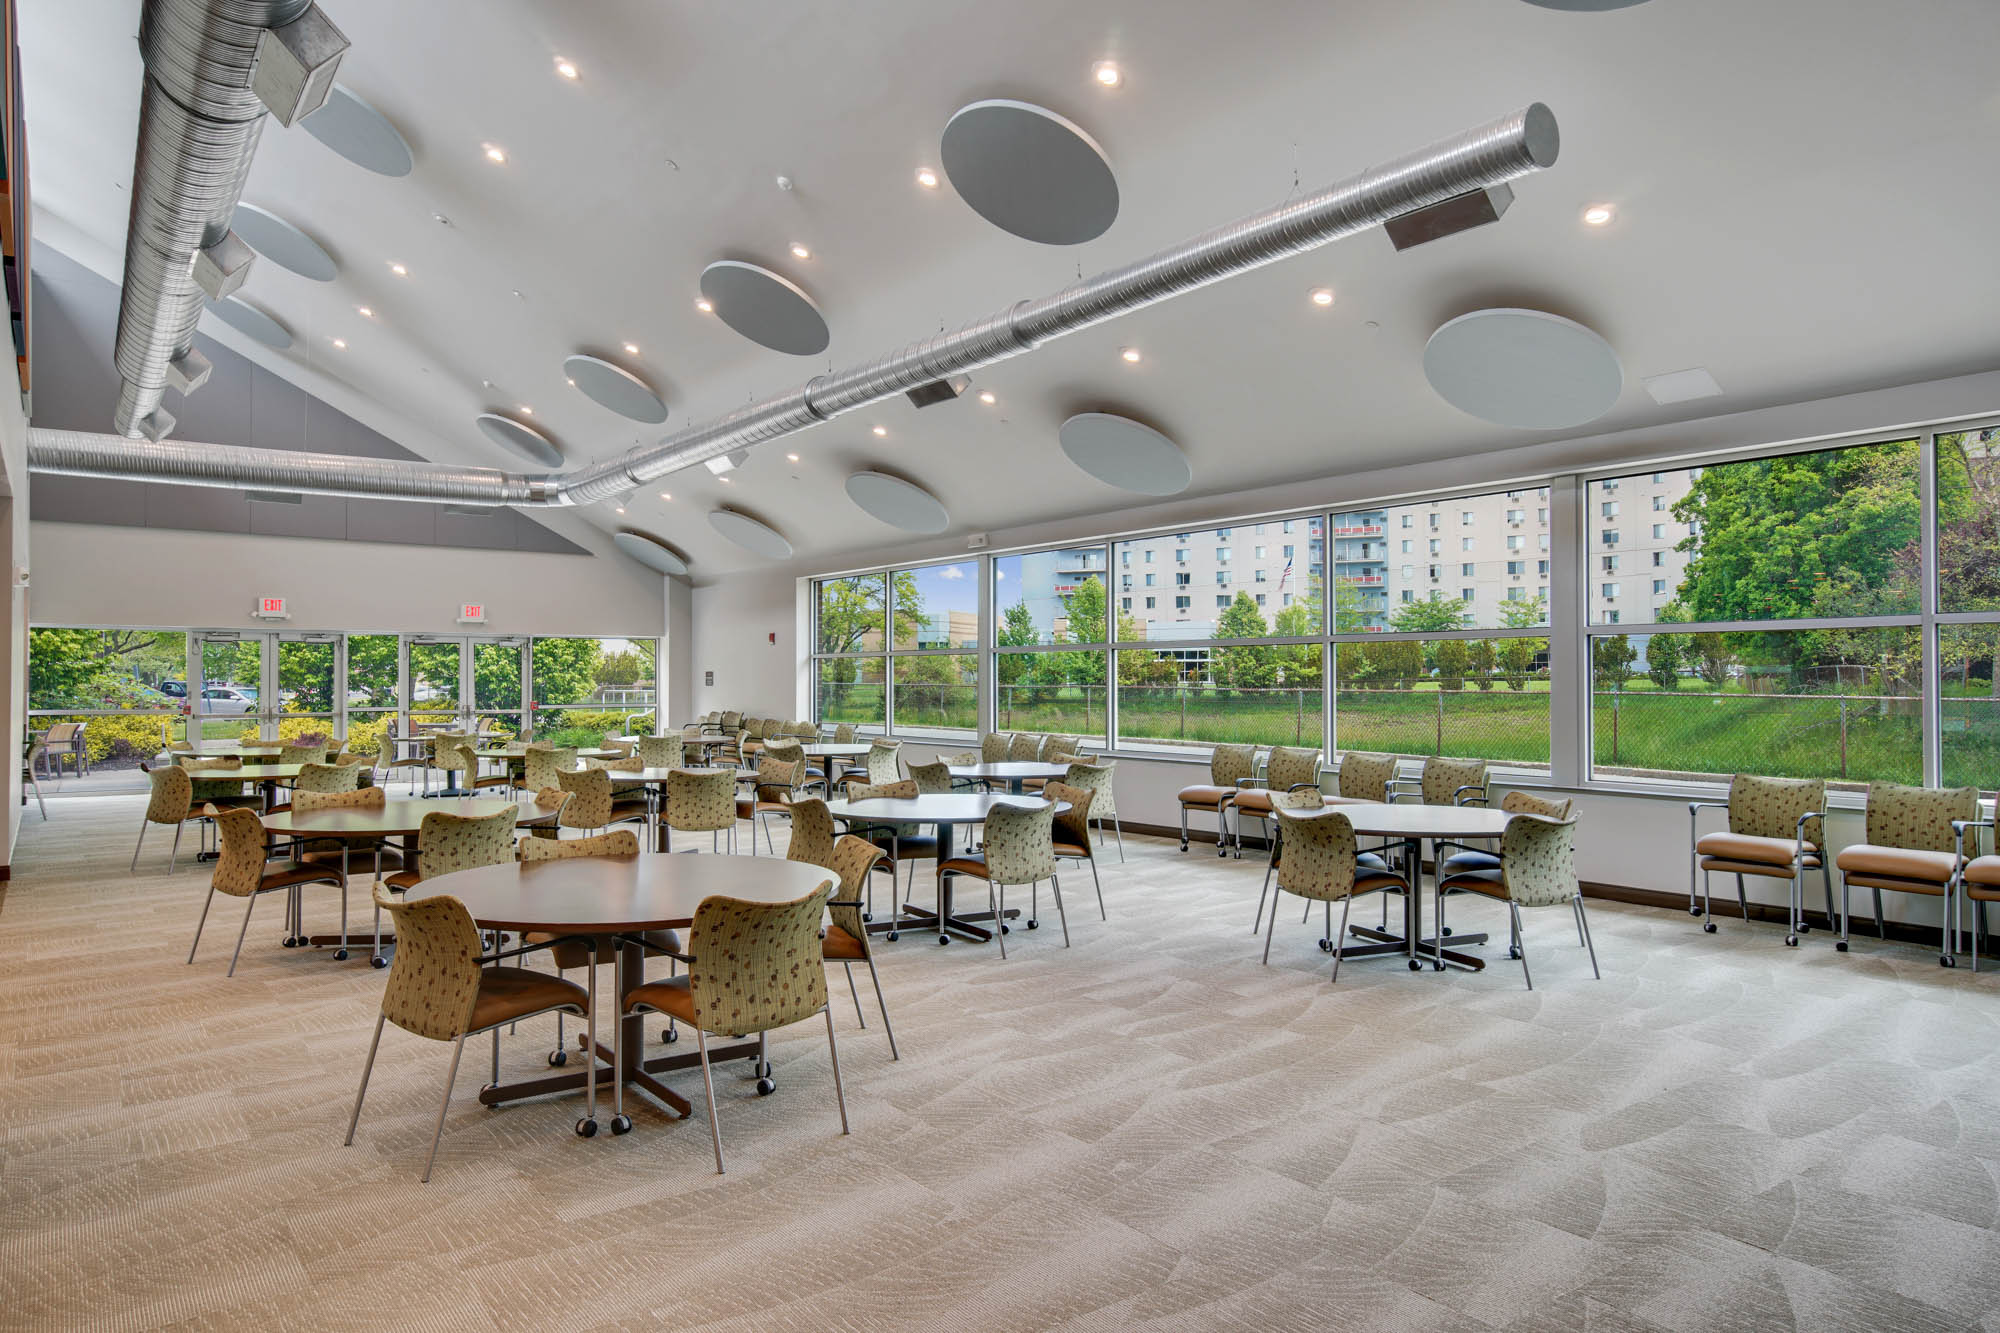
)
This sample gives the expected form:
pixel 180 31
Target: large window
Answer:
pixel 125 687
pixel 583 688
pixel 1783 570
pixel 899 650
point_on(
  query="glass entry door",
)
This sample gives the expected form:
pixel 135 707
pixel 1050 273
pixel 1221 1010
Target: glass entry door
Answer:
pixel 498 668
pixel 225 687
pixel 457 682
pixel 436 669
pixel 303 699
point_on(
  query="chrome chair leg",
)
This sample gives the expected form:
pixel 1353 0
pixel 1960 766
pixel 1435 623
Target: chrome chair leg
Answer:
pixel 457 1050
pixel 708 1085
pixel 1098 884
pixel 240 934
pixel 1583 929
pixel 996 898
pixel 883 1005
pixel 1263 893
pixel 1742 898
pixel 1520 943
pixel 1881 931
pixel 1273 925
pixel 833 1055
pixel 1055 882
pixel 140 844
pixel 199 924
pixel 366 1070
pixel 855 991
pixel 1340 941
pixel 1119 829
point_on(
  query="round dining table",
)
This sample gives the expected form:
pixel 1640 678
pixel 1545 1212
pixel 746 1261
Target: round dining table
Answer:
pixel 399 817
pixel 654 780
pixel 1413 825
pixel 621 897
pixel 1010 771
pixel 946 811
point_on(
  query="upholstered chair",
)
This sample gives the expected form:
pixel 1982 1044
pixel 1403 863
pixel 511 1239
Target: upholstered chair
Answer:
pixel 1363 777
pixel 1318 864
pixel 846 939
pixel 932 779
pixel 438 989
pixel 388 762
pixel 366 853
pixel 1071 831
pixel 1537 869
pixel 1775 832
pixel 1288 768
pixel 241 872
pixel 1020 849
pixel 1228 765
pixel 748 972
pixel 702 803
pixel 1978 885
pixel 171 802
pixel 1100 778
pixel 1513 803
pixel 324 779
pixel 1024 748
pixel 662 751
pixel 813 833
pixel 994 747
pixel 882 765
pixel 844 734
pixel 1912 847
pixel 1296 798
pixel 771 797
pixel 1446 782
pixel 302 754
pixel 593 803
pixel 902 842
pixel 543 767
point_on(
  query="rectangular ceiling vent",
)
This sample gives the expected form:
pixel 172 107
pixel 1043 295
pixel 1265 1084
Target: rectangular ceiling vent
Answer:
pixel 937 391
pixel 1461 212
pixel 274 497
pixel 471 511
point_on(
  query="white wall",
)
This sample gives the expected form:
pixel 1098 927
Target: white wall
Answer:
pixel 14 535
pixel 1637 841
pixel 85 574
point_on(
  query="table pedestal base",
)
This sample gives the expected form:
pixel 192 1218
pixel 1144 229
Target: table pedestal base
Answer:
pixel 1387 943
pixel 923 918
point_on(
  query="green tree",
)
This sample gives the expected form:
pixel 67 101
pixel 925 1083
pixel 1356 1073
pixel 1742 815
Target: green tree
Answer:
pixel 621 670
pixel 1666 656
pixel 63 665
pixel 1296 665
pixel 1712 659
pixel 1391 664
pixel 1425 615
pixel 565 670
pixel 1452 659
pixel 1351 611
pixel 1480 661
pixel 1241 668
pixel 1517 655
pixel 371 669
pixel 496 676
pixel 851 612
pixel 1614 657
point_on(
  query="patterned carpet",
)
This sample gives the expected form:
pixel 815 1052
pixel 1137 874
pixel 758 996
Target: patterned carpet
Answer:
pixel 1148 1130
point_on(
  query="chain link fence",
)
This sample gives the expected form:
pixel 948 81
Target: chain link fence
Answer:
pixel 1849 739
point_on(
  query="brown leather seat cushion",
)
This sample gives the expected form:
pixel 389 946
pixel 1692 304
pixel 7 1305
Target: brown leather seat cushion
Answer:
pixel 906 849
pixel 841 946
pixel 1254 800
pixel 1072 849
pixel 1982 879
pixel 1364 882
pixel 1206 798
pixel 508 993
pixel 745 807
pixel 358 858
pixel 290 875
pixel 1721 866
pixel 1744 847
pixel 1870 866
pixel 968 863
pixel 402 879
pixel 671 997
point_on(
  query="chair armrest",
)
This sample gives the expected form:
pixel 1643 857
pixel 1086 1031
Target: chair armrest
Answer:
pixel 1247 783
pixel 1400 787
pixel 1459 796
pixel 1303 786
pixel 843 902
pixel 1958 828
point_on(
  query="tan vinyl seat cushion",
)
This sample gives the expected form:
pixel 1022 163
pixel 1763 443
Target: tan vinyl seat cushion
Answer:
pixel 671 997
pixel 1744 847
pixel 1873 867
pixel 1982 878
pixel 970 863
pixel 1072 849
pixel 281 879
pixel 358 858
pixel 508 993
pixel 841 946
pixel 1366 881
pixel 1206 798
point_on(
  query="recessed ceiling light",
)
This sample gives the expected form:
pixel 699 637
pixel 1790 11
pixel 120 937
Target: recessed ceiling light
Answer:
pixel 927 178
pixel 631 349
pixel 398 269
pixel 1131 354
pixel 341 343
pixel 495 153
pixel 566 68
pixel 621 508
pixel 527 411
pixel 986 397
pixel 800 252
pixel 567 380
pixel 793 457
pixel 1322 296
pixel 1599 215
pixel 666 495
pixel 365 312
pixel 881 430
pixel 703 304
pixel 723 480
pixel 1107 74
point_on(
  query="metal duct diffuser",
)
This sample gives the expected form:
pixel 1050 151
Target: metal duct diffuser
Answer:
pixel 296 65
pixel 1462 213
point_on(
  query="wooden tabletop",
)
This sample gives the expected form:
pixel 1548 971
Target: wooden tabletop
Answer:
pixel 1009 770
pixel 400 816
pixel 589 894
pixel 1410 820
pixel 953 808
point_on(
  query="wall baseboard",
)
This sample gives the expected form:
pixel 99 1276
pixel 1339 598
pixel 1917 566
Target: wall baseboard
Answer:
pixel 1860 923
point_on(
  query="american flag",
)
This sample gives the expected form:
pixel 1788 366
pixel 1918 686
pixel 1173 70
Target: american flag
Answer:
pixel 1284 577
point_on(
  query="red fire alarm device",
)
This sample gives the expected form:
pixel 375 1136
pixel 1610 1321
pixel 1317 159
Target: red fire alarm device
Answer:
pixel 774 636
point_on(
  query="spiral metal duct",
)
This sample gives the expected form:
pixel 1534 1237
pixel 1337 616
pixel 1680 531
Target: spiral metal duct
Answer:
pixel 198 127
pixel 1508 148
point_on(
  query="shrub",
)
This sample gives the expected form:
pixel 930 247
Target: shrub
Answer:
pixel 596 722
pixel 119 739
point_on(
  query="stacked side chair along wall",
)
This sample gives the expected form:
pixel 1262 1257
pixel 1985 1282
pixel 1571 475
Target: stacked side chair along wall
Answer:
pixel 1913 847
pixel 1776 831
pixel 1287 768
pixel 1227 766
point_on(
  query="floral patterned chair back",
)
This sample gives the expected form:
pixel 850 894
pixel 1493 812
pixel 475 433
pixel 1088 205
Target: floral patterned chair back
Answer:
pixel 931 779
pixel 1095 779
pixel 1366 777
pixel 757 966
pixel 789 750
pixel 1072 826
pixel 852 859
pixel 881 763
pixel 904 789
pixel 618 842
pixel 1024 748
pixel 1538 860
pixel 173 795
pixel 1290 765
pixel 777 777
pixel 812 833
pixel 305 801
pixel 589 799
pixel 434 980
pixel 302 754
pixel 239 865
pixel 1318 858
pixel 994 747
pixel 1770 808
pixel 1229 763
pixel 1526 803
pixel 326 778
pixel 701 802
pixel 1918 818
pixel 459 842
pixel 1020 843
pixel 844 734
pixel 1060 749
pixel 545 767
pixel 1443 779
pixel 662 751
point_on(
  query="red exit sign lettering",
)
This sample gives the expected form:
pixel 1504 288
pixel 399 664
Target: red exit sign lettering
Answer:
pixel 471 613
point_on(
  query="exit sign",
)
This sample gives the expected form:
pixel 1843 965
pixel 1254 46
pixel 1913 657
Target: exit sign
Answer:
pixel 471 613
pixel 271 608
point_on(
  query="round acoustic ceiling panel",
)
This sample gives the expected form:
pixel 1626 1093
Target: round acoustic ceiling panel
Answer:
pixel 615 387
pixel 1121 452
pixel 247 319
pixel 764 307
pixel 1523 368
pixel 282 243
pixel 748 533
pixel 526 441
pixel 898 503
pixel 360 133
pixel 1586 6
pixel 650 551
pixel 1028 171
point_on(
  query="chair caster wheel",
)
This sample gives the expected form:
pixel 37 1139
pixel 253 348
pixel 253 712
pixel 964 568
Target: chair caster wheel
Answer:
pixel 765 1087
pixel 943 940
pixel 1447 930
pixel 1791 941
pixel 1033 924
pixel 1514 954
pixel 1840 946
pixel 1416 966
pixel 1804 929
pixel 1437 966
pixel 893 935
pixel 671 1035
pixel 378 961
pixel 1326 946
pixel 558 1058
pixel 340 955
pixel 586 1128
pixel 621 1124
pixel 1694 911
pixel 1183 846
pixel 1947 962
pixel 1708 926
pixel 285 943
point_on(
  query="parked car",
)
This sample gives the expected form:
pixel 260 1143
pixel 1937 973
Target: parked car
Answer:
pixel 174 689
pixel 223 700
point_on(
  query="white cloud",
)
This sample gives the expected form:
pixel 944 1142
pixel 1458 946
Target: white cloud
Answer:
pixel 951 572
pixel 999 574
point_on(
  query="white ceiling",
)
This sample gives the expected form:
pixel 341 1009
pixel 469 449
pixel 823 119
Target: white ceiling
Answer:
pixel 1805 194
